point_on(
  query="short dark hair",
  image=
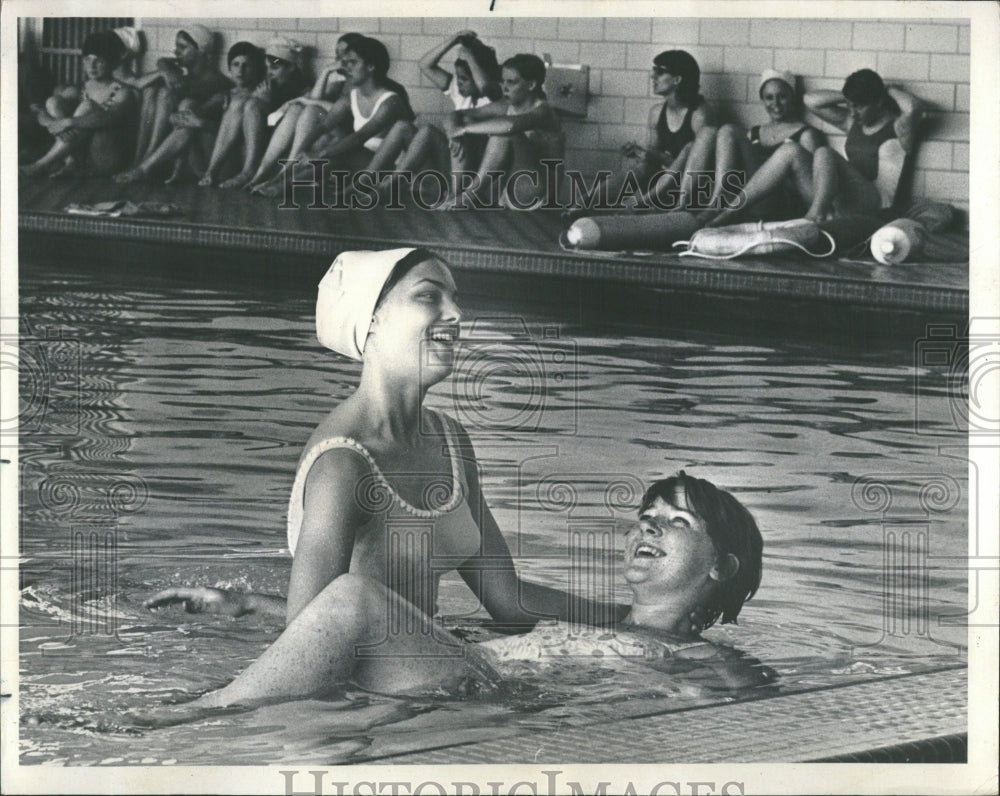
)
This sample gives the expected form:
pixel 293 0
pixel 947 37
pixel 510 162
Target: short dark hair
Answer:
pixel 528 66
pixel 104 44
pixel 682 64
pixel 864 87
pixel 402 268
pixel 254 53
pixel 732 530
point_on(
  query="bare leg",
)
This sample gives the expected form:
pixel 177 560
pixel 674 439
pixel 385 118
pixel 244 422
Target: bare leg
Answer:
pixel 699 159
pixel 308 127
pixel 282 140
pixel 254 129
pixel 230 133
pixel 822 184
pixel 790 159
pixel 355 629
pixel 732 151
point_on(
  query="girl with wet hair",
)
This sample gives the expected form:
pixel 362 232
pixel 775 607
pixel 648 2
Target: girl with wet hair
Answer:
pixel 92 136
pixel 368 108
pixel 521 130
pixel 881 125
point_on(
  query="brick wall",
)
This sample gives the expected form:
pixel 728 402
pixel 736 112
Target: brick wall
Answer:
pixel 930 58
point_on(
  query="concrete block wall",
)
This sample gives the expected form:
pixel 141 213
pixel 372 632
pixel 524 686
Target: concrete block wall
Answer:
pixel 930 58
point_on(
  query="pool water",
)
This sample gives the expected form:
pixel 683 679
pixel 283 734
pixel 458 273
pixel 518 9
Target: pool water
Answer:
pixel 165 447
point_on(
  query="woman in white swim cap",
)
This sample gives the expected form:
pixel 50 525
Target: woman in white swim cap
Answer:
pixel 386 498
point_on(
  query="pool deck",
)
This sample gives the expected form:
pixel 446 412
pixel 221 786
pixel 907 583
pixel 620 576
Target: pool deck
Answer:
pixel 497 242
pixel 903 718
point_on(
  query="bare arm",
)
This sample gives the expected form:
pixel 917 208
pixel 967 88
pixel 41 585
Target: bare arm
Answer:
pixel 538 118
pixel 330 518
pixel 517 605
pixel 911 111
pixel 429 63
pixel 827 105
pixel 320 87
pixel 112 112
pixel 389 113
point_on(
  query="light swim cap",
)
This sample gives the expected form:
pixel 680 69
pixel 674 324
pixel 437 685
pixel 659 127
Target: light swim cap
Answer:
pixel 200 35
pixel 784 76
pixel 347 297
pixel 285 49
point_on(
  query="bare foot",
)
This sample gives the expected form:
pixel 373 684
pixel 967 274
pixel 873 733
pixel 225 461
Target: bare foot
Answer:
pixel 176 175
pixel 33 169
pixel 239 181
pixel 67 171
pixel 132 175
pixel 206 181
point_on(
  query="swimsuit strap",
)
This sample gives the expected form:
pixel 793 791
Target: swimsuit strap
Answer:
pixel 330 443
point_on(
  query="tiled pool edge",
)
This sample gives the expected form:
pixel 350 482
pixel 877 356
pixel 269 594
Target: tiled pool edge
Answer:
pixel 914 717
pixel 665 272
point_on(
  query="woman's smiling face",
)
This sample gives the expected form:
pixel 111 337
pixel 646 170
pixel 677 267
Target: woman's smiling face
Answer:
pixel 417 324
pixel 669 551
pixel 777 98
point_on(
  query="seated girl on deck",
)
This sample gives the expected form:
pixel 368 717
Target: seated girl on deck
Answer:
pixel 245 119
pixel 196 128
pixel 246 69
pixel 305 118
pixel 682 122
pixel 475 83
pixel 367 111
pixel 881 125
pixel 93 136
pixel 743 152
pixel 521 130
pixel 190 81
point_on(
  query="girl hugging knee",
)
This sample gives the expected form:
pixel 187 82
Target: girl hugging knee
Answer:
pixel 521 131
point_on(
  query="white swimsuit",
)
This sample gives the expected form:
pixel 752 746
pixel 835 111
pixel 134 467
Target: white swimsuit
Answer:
pixel 360 121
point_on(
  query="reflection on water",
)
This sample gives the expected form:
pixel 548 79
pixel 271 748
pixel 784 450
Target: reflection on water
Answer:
pixel 165 427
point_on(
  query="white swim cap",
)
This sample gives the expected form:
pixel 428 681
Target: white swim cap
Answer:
pixel 347 295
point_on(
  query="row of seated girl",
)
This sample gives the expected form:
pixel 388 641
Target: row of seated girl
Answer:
pixel 780 169
pixel 238 132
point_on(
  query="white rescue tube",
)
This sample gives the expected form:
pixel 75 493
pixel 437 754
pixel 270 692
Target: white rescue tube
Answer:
pixel 631 231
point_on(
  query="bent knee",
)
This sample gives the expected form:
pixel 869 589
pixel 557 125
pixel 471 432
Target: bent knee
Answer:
pixel 730 131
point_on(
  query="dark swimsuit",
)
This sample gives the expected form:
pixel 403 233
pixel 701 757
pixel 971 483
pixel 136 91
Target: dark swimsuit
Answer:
pixel 862 148
pixel 764 152
pixel 673 141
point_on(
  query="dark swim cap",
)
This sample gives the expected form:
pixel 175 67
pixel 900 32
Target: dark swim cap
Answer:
pixel 864 87
pixel 104 44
